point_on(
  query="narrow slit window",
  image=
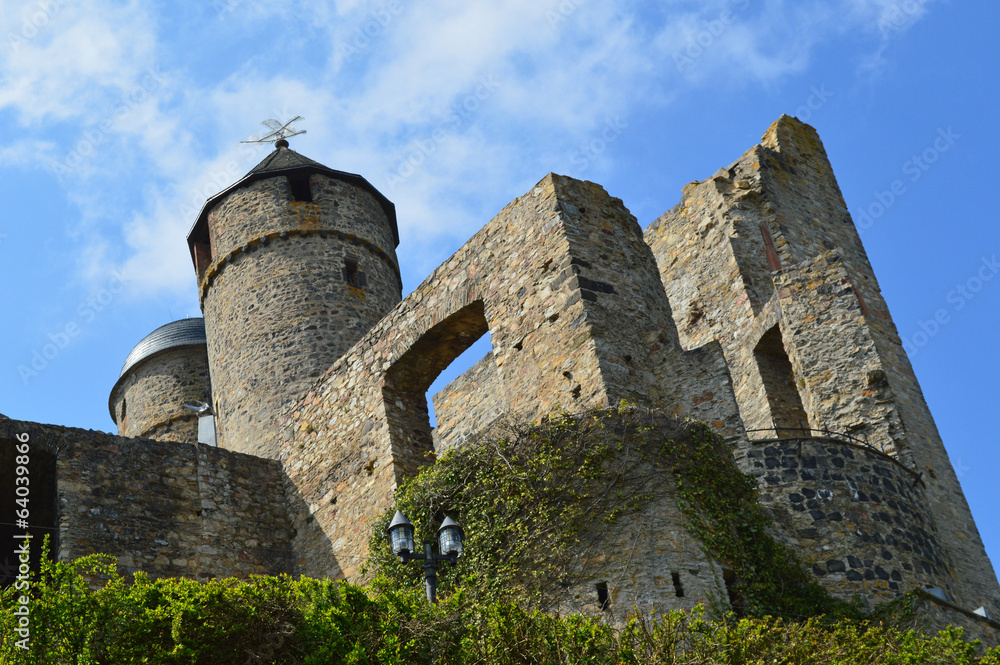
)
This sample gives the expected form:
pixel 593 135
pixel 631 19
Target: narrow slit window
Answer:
pixel 299 186
pixel 124 410
pixel 678 587
pixel 603 599
pixel 353 274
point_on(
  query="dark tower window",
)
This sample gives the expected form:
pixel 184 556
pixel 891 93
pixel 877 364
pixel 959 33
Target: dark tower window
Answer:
pixel 40 503
pixel 353 274
pixel 779 383
pixel 121 420
pixel 603 599
pixel 678 587
pixel 299 185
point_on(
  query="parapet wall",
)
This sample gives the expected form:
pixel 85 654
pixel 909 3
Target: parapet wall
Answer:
pixel 169 509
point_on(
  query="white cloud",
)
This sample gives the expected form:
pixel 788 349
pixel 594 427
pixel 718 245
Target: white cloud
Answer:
pixel 475 97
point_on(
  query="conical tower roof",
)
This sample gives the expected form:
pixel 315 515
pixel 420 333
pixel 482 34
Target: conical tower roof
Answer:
pixel 282 159
pixel 285 161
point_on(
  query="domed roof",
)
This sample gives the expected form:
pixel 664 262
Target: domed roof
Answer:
pixel 185 332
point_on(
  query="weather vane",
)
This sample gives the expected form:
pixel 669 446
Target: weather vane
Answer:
pixel 279 132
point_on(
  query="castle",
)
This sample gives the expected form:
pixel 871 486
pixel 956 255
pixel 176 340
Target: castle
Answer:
pixel 750 305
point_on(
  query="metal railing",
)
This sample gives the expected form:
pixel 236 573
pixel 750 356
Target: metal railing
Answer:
pixel 806 432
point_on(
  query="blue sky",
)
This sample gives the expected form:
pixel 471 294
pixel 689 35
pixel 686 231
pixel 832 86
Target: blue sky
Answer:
pixel 121 118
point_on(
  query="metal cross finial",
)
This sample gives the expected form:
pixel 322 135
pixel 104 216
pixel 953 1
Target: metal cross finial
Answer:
pixel 278 132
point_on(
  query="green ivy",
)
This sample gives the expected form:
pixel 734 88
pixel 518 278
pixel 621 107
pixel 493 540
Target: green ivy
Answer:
pixel 532 496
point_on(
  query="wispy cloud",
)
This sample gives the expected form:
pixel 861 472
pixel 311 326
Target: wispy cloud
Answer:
pixel 402 84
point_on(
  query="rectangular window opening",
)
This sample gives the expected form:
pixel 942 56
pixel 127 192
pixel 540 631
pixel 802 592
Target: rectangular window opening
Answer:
pixel 202 257
pixel 603 599
pixel 735 600
pixel 299 186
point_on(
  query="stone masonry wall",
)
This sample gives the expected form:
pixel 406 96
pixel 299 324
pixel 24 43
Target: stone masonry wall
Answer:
pixel 467 405
pixel 768 242
pixel 856 516
pixel 278 310
pixel 840 376
pixel 170 509
pixel 567 289
pixel 149 399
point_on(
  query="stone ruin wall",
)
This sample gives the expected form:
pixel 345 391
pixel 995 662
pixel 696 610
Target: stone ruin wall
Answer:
pixel 766 245
pixel 552 278
pixel 166 508
pixel 857 517
pixel 468 405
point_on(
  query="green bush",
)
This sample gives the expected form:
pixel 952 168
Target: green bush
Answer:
pixel 85 613
pixel 528 499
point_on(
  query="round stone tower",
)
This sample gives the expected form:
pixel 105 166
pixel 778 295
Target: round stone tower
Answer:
pixel 295 263
pixel 165 371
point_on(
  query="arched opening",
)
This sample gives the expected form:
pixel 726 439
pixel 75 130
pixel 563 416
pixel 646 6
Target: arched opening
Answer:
pixel 410 377
pixel 787 412
pixel 39 500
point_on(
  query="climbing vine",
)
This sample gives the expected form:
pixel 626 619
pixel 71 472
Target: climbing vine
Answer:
pixel 537 499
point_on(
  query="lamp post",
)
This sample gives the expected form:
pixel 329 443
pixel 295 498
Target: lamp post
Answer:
pixel 449 542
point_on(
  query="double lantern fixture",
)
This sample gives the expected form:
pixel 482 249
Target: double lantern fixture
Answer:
pixel 449 542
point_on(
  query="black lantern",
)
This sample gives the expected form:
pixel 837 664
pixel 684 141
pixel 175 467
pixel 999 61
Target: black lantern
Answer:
pixel 401 536
pixel 449 540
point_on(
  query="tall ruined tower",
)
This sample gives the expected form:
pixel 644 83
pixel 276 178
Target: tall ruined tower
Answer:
pixel 763 257
pixel 295 263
